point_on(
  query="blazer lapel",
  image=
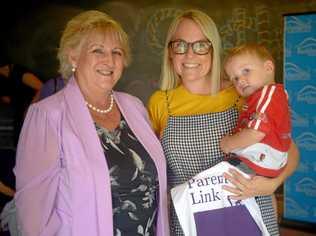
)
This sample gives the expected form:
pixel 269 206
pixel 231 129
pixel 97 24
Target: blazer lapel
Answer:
pixel 84 125
pixel 140 126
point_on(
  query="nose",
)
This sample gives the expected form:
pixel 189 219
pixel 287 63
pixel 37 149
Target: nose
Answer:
pixel 108 58
pixel 190 52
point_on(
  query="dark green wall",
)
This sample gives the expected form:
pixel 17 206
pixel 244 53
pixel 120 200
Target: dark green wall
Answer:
pixel 34 39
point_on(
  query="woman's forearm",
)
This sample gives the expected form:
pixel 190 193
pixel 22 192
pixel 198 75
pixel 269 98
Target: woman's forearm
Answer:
pixel 6 190
pixel 293 161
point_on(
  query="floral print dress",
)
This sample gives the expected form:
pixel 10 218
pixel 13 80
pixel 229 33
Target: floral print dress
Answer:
pixel 134 182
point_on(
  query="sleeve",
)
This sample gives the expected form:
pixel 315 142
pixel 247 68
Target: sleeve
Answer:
pixel 47 89
pixel 51 86
pixel 142 109
pixel 37 174
pixel 271 106
pixel 157 110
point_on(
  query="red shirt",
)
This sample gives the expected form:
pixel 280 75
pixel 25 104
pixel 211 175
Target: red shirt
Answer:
pixel 267 110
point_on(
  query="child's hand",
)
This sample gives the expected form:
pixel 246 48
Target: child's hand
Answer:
pixel 224 144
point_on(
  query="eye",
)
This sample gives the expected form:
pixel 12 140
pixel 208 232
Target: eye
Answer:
pixel 245 71
pixel 179 46
pixel 182 44
pixel 234 79
pixel 201 45
pixel 98 51
pixel 118 52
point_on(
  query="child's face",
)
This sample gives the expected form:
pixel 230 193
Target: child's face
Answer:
pixel 249 73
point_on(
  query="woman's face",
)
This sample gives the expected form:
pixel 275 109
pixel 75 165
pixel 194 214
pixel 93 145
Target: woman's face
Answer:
pixel 189 66
pixel 99 63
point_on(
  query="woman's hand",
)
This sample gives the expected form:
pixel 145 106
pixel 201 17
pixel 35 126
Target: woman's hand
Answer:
pixel 246 188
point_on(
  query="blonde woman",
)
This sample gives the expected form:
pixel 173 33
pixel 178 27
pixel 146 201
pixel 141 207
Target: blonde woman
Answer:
pixel 194 109
pixel 88 162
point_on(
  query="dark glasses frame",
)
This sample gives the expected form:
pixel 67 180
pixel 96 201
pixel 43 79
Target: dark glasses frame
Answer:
pixel 171 45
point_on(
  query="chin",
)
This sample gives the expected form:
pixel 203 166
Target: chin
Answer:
pixel 107 87
pixel 247 92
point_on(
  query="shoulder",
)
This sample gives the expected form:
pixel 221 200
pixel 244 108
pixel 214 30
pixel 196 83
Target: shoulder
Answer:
pixel 158 110
pixel 277 90
pixel 129 102
pixel 48 88
pixel 51 83
pixel 230 97
pixel 276 87
pixel 158 98
pixel 53 105
pixel 280 94
pixel 228 90
pixel 280 88
pixel 161 98
pixel 127 98
pixel 226 84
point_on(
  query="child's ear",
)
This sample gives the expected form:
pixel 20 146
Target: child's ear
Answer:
pixel 269 66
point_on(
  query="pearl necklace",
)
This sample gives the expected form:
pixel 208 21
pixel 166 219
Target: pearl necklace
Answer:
pixel 100 110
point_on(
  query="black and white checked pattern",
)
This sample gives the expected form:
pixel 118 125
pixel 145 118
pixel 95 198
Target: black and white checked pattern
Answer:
pixel 191 145
pixel 268 214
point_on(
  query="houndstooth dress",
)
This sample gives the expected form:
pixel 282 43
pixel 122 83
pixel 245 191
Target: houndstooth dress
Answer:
pixel 191 145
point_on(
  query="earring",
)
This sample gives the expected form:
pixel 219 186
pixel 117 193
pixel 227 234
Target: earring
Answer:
pixel 73 69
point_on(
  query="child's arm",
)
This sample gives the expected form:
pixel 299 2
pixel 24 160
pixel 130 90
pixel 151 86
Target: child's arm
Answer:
pixel 259 185
pixel 242 139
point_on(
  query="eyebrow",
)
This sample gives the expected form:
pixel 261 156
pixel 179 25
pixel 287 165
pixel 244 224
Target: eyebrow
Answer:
pixel 245 65
pixel 96 44
pixel 101 45
pixel 199 40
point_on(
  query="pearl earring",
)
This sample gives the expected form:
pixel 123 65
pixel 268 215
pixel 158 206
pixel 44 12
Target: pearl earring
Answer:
pixel 73 69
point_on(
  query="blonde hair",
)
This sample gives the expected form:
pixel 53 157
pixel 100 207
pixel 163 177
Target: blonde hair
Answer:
pixel 77 30
pixel 169 78
pixel 255 49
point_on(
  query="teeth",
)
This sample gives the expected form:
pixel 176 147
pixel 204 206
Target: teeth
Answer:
pixel 190 65
pixel 105 73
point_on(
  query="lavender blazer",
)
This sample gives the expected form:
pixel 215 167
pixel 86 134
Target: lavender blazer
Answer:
pixel 62 178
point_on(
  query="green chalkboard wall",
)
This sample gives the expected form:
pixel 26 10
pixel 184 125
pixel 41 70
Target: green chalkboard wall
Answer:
pixel 34 38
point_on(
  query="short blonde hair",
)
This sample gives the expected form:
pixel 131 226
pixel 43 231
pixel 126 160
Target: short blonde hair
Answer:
pixel 77 30
pixel 255 49
pixel 169 78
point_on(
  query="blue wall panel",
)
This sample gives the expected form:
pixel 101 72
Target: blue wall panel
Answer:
pixel 300 82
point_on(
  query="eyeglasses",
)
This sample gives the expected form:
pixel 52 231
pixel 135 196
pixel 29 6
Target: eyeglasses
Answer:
pixel 198 47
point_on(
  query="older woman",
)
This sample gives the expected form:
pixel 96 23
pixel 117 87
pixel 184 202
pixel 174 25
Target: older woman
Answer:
pixel 88 162
pixel 194 110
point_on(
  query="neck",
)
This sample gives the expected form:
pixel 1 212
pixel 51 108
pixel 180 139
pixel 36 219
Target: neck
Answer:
pixel 98 98
pixel 100 110
pixel 198 88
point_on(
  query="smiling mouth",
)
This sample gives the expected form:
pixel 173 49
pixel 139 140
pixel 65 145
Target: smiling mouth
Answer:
pixel 190 65
pixel 105 72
